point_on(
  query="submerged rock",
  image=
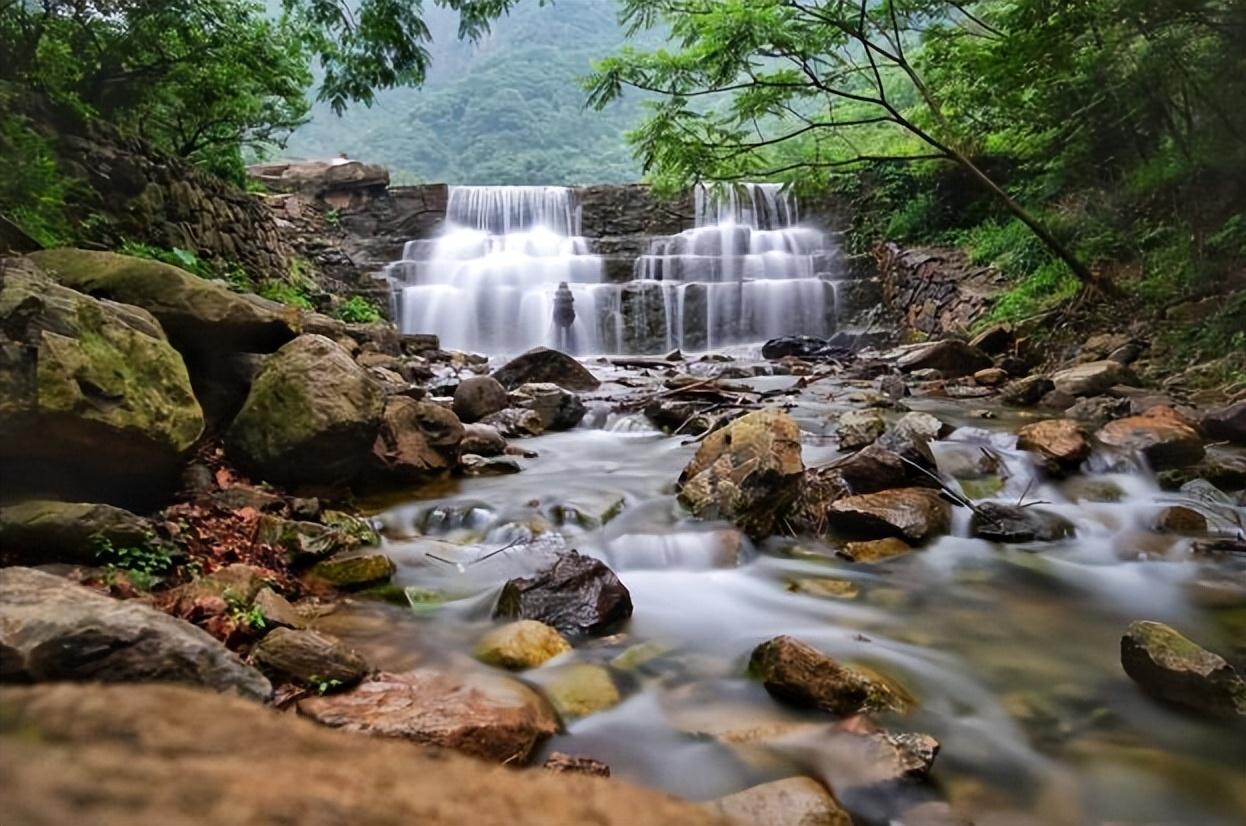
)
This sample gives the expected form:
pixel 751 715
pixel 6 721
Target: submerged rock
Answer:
pixel 41 531
pixel 578 689
pixel 998 522
pixel 479 396
pixel 311 416
pixel 1172 668
pixel 1093 378
pixel 951 357
pixel 910 436
pixel 521 644
pixel 52 629
pixel 559 409
pixel 417 440
pixel 1061 442
pixel 542 364
pixel 874 550
pixel 1180 519
pixel 802 675
pixel 472 465
pixel 311 658
pixel 824 586
pixel 858 428
pixel 485 716
pixel 1160 435
pixel 912 513
pixel 793 801
pixel 355 570
pixel 748 472
pixel 578 595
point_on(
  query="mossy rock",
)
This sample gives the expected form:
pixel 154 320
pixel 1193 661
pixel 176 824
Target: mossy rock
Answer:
pixel 41 531
pixel 579 689
pixel 521 644
pixel 355 570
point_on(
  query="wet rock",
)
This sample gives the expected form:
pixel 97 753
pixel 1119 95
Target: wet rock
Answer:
pixel 310 658
pixel 873 469
pixel 858 428
pixel 1172 668
pixel 991 377
pixel 893 386
pixel 1224 471
pixel 1093 378
pixel 472 465
pixel 1099 410
pixel 1102 345
pixel 1227 423
pixel 95 404
pixel 1060 442
pixel 1160 435
pixel 516 422
pixel 951 357
pixel 910 437
pixel 578 689
pixel 311 416
pixel 915 514
pixel 1057 400
pixel 996 522
pixel 578 595
pixel 485 716
pixel 864 757
pixel 237 585
pixel 559 409
pixel 302 542
pixel 52 629
pixel 673 414
pixel 874 550
pixel 1026 392
pixel 542 364
pixel 561 763
pixel 748 472
pixel 479 396
pixel 793 801
pixel 41 531
pixel 1180 519
pixel 276 610
pixel 800 674
pixel 819 487
pixel 355 570
pixel 482 440
pixel 994 340
pixel 521 644
pixel 798 346
pixel 417 440
pixel 824 586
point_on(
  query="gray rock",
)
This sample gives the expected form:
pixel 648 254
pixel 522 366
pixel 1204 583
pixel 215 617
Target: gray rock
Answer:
pixel 53 629
pixel 1093 378
pixel 797 673
pixel 578 595
pixel 482 440
pixel 1026 392
pixel 542 364
pixel 472 465
pixel 479 396
pixel 1227 423
pixel 40 531
pixel 951 357
pixel 516 422
pixel 310 657
pixel 559 409
pixel 914 514
pixel 858 428
pixel 997 522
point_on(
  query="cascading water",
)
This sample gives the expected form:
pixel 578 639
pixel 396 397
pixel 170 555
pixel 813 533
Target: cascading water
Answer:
pixel 488 282
pixel 747 271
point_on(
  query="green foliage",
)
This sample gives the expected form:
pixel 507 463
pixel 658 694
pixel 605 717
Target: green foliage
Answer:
pixel 358 310
pixel 144 565
pixel 231 272
pixel 333 218
pixel 295 295
pixel 324 686
pixel 33 190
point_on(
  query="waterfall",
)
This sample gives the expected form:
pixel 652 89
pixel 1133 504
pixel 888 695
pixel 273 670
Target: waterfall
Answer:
pixel 487 283
pixel 748 270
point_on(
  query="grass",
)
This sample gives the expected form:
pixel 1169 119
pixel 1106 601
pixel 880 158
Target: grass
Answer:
pixel 358 310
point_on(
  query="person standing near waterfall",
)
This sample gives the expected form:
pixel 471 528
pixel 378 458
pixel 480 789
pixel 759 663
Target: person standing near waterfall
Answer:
pixel 564 315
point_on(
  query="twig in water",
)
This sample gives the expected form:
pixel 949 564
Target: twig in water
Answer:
pixel 505 547
pixel 953 495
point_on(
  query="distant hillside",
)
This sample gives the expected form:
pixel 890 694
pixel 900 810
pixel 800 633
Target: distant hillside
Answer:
pixel 506 111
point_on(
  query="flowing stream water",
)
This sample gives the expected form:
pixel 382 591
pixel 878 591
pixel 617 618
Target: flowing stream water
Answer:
pixel 1011 651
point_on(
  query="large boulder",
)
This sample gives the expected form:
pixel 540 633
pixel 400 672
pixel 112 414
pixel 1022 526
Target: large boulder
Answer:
pixel 914 514
pixel 951 357
pixel 195 312
pixel 1227 423
pixel 94 401
pixel 53 629
pixel 1162 436
pixel 800 674
pixel 417 440
pixel 748 472
pixel 1060 442
pixel 312 415
pixel 542 364
pixel 484 715
pixel 559 409
pixel 577 595
pixel 1093 378
pixel 41 531
pixel 1172 668
pixel 479 396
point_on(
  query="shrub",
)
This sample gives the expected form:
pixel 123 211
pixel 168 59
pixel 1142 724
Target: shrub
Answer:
pixel 358 310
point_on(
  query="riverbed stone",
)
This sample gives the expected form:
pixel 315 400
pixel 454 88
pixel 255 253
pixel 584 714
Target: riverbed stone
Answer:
pixel 521 644
pixel 1172 668
pixel 312 415
pixel 41 531
pixel 748 472
pixel 542 364
pixel 800 674
pixel 516 422
pixel 559 409
pixel 482 440
pixel 874 550
pixel 356 570
pixel 577 595
pixel 1026 392
pixel 479 396
pixel 310 657
pixel 998 522
pixel 276 610
pixel 793 801
pixel 1180 519
pixel 53 629
pixel 578 689
pixel 1160 435
pixel 858 428
pixel 1093 378
pixel 1061 443
pixel 488 716
pixel 824 586
pixel 561 763
pixel 1096 411
pixel 952 357
pixel 872 469
pixel 1227 423
pixel 910 436
pixel 990 377
pixel 417 440
pixel 472 465
pixel 915 514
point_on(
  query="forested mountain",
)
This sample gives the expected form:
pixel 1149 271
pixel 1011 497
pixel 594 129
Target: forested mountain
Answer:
pixel 507 110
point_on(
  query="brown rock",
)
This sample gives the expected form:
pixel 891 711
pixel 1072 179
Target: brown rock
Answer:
pixel 1093 378
pixel 482 440
pixel 991 377
pixel 560 763
pixel 1227 423
pixel 951 357
pixel 1180 519
pixel 310 657
pixel 872 469
pixel 479 396
pixel 1026 392
pixel 858 428
pixel 577 595
pixel 542 364
pixel 802 675
pixel 1172 668
pixel 912 513
pixel 1061 442
pixel 417 440
pixel 1160 435
pixel 485 716
pixel 516 422
pixel 874 550
pixel 793 801
pixel 993 340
